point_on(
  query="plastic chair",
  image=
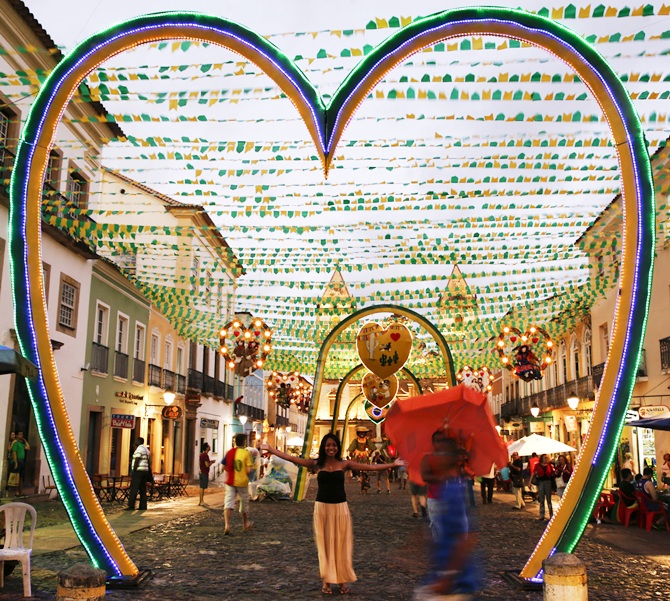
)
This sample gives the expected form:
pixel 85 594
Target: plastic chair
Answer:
pixel 14 547
pixel 647 515
pixel 624 513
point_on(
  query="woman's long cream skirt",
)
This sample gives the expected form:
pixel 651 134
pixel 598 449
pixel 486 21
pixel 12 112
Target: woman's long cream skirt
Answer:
pixel 334 541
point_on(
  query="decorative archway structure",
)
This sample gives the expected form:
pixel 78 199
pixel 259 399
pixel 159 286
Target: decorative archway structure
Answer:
pixel 326 125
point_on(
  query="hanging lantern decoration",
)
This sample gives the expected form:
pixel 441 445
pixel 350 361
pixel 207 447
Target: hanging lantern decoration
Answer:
pixel 525 354
pixel 246 343
pixel 479 379
pixel 290 389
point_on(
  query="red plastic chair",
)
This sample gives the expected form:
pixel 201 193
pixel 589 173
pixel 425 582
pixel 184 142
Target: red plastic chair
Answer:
pixel 603 506
pixel 624 513
pixel 647 515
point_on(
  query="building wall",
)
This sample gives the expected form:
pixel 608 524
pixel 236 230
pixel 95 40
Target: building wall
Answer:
pixel 106 394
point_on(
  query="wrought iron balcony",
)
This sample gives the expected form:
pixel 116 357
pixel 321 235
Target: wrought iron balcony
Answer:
pixel 181 384
pixel 194 380
pixel 99 358
pixel 120 365
pixel 253 413
pixel 554 398
pixel 168 380
pixel 155 375
pixel 139 368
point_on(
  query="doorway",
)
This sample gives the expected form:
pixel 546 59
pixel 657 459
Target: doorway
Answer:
pixel 93 442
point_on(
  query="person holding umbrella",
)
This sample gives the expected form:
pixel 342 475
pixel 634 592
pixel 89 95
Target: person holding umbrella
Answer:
pixel 332 521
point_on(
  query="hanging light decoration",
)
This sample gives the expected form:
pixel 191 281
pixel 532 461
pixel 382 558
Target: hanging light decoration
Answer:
pixel 246 343
pixel 479 379
pixel 289 389
pixel 525 354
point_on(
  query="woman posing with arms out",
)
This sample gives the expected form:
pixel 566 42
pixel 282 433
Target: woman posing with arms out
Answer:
pixel 332 521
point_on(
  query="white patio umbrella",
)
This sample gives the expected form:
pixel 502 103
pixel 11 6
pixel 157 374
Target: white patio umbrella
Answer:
pixel 535 443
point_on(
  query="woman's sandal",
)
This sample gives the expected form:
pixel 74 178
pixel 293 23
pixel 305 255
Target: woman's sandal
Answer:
pixel 344 590
pixel 326 590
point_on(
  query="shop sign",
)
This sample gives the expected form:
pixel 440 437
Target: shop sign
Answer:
pixel 631 415
pixel 571 424
pixel 123 421
pixel 537 426
pixel 653 411
pixel 209 423
pixel 172 412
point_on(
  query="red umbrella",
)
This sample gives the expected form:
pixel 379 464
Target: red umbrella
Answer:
pixel 464 412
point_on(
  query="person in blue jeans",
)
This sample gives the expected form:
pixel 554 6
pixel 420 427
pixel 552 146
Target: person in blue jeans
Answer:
pixel 455 568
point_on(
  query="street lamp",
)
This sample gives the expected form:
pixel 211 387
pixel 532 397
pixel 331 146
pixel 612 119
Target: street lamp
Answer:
pixel 573 401
pixel 535 410
pixel 168 397
pixel 243 419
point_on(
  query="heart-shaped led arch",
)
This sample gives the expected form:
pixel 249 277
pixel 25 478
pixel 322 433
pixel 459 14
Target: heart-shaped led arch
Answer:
pixel 326 126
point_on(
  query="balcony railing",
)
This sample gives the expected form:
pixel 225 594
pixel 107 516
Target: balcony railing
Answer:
pixel 281 421
pixel 219 389
pixel 209 384
pixel 100 358
pixel 253 413
pixel 665 355
pixel 168 380
pixel 139 368
pixel 155 375
pixel 554 398
pixel 120 365
pixel 194 381
pixel 181 384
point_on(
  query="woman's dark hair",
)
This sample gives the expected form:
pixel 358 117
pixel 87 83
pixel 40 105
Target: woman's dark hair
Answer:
pixel 321 461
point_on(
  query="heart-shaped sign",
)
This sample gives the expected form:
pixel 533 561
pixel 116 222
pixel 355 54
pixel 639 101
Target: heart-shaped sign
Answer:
pixel 374 413
pixel 384 352
pixel 379 391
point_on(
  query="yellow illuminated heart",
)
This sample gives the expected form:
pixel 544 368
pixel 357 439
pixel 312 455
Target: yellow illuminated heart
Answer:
pixel 384 352
pixel 379 391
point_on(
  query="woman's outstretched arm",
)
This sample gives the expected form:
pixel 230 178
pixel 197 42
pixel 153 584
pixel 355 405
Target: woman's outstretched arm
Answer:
pixel 297 460
pixel 372 467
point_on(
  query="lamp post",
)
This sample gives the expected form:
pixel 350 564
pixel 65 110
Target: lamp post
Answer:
pixel 535 410
pixel 168 396
pixel 573 401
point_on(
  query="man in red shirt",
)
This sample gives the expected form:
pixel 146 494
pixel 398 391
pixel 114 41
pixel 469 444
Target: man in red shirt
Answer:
pixel 205 464
pixel 238 467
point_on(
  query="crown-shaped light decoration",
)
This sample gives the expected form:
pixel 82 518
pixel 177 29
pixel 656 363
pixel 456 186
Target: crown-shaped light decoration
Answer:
pixel 525 354
pixel 290 389
pixel 246 343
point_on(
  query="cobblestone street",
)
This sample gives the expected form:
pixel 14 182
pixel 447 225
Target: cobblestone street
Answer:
pixel 191 559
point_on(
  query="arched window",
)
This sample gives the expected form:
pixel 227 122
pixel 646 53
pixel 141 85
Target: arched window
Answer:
pixel 562 364
pixel 586 351
pixel 574 357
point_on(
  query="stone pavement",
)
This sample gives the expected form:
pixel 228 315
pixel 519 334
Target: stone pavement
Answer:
pixel 184 546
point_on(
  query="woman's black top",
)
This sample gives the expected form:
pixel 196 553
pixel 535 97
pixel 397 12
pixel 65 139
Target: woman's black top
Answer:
pixel 331 487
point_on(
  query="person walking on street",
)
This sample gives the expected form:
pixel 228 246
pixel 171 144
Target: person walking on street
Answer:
pixel 378 459
pixel 544 474
pixel 418 493
pixel 141 475
pixel 205 464
pixel 516 470
pixel 333 532
pixel 239 466
pixel 487 486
